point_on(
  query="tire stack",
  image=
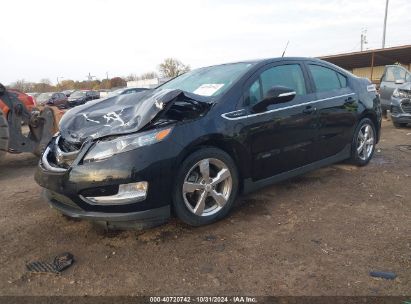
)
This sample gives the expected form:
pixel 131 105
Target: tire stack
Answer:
pixel 4 135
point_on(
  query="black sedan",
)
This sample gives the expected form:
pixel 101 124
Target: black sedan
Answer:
pixel 81 97
pixel 197 141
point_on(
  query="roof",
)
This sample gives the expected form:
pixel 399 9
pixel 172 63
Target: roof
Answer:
pixel 387 56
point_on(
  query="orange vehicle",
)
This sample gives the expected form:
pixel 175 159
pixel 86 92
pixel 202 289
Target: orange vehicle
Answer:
pixel 16 109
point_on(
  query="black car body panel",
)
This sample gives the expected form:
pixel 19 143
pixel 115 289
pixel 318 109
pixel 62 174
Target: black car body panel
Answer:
pixel 311 131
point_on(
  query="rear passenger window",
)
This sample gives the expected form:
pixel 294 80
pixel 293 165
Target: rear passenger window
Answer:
pixel 326 79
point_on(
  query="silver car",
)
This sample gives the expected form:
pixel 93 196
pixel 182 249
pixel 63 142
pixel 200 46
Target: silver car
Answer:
pixel 395 94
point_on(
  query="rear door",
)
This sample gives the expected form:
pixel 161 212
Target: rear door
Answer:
pixel 336 104
pixel 281 138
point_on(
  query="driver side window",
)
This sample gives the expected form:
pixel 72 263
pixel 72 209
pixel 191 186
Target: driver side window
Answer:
pixel 288 75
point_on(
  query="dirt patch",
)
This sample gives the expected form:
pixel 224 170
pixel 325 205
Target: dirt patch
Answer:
pixel 317 234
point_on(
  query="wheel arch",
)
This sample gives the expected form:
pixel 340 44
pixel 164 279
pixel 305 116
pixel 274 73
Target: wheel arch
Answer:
pixel 233 148
pixel 373 117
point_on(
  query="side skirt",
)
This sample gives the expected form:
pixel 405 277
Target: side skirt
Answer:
pixel 250 185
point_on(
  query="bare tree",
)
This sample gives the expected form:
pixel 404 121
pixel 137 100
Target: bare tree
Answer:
pixel 131 77
pixel 21 85
pixel 148 75
pixel 44 86
pixel 172 67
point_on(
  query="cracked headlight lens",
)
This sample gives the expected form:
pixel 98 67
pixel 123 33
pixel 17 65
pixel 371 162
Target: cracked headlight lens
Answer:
pixel 105 149
pixel 400 93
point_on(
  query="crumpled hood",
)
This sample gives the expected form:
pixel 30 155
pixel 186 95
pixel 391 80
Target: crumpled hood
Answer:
pixel 117 115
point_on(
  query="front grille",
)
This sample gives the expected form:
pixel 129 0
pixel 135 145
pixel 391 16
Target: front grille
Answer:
pixel 63 153
pixel 406 106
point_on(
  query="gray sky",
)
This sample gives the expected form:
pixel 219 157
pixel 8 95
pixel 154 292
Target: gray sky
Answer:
pixel 70 38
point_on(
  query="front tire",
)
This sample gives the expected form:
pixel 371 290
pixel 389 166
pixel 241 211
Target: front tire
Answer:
pixel 206 187
pixel 363 142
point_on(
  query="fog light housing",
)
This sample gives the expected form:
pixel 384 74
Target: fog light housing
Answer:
pixel 127 194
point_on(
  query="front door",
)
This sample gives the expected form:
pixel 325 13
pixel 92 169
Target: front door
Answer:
pixel 392 74
pixel 282 137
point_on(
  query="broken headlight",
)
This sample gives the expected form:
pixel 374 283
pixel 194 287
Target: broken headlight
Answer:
pixel 398 93
pixel 104 149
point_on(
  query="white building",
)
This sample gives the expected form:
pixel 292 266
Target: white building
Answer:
pixel 146 83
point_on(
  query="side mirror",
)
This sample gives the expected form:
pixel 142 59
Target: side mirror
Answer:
pixel 277 94
pixel 400 81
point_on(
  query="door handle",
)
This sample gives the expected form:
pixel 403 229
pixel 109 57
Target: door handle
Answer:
pixel 309 110
pixel 349 100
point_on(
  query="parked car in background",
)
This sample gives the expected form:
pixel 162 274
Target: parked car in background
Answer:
pixel 192 144
pixel 53 99
pixel 401 105
pixel 124 91
pixel 68 92
pixel 394 76
pixel 81 97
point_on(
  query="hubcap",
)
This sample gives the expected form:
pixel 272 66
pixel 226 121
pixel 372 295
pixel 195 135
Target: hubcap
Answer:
pixel 365 142
pixel 207 187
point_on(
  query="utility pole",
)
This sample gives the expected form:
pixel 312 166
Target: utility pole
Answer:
pixel 363 39
pixel 385 24
pixel 58 82
pixel 89 77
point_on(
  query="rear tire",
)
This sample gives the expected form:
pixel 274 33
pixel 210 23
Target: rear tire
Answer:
pixel 4 135
pixel 206 187
pixel 363 142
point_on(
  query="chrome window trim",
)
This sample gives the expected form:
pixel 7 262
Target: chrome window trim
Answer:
pixel 224 115
pixel 287 94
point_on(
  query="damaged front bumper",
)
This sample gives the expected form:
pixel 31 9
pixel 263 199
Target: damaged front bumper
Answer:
pixel 130 189
pixel 401 110
pixel 138 219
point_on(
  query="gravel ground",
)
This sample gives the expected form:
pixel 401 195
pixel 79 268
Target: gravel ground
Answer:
pixel 318 234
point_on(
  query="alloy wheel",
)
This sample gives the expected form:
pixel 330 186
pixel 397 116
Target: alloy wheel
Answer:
pixel 365 141
pixel 207 187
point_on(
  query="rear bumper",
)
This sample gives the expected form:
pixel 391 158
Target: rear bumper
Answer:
pixel 140 219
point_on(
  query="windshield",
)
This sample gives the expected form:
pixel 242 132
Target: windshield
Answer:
pixel 78 94
pixel 43 97
pixel 210 81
